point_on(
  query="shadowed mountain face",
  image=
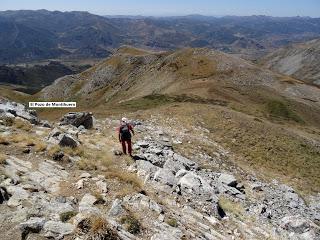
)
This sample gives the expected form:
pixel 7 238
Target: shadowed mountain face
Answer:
pixel 32 35
pixel 34 78
pixel 300 61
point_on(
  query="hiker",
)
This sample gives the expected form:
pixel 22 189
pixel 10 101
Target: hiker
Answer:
pixel 125 129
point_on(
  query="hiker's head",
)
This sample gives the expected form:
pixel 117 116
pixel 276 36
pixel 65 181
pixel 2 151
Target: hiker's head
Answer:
pixel 124 120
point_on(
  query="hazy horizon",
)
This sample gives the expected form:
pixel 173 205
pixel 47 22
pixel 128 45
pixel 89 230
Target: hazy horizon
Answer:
pixel 166 8
pixel 146 15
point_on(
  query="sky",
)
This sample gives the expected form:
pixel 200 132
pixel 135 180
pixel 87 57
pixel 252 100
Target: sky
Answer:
pixel 174 7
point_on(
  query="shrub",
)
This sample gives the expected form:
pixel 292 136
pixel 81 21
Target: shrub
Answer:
pixel 7 121
pixel 131 224
pixel 97 228
pixel 66 216
pixel 279 109
pixel 172 222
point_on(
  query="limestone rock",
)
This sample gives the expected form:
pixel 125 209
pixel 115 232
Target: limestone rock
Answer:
pixel 296 224
pixel 57 230
pixel 228 180
pixel 18 110
pixel 102 186
pixel 18 195
pixel 85 175
pixel 80 184
pixel 116 208
pixel 34 225
pixel 86 205
pixel 165 176
pixel 67 140
pixel 77 119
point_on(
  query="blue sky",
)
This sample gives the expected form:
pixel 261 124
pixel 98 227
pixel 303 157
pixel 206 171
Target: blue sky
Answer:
pixel 171 7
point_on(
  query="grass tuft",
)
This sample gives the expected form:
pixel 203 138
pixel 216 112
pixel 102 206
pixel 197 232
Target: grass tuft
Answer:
pixel 2 159
pixel 126 177
pixel 232 207
pixel 131 223
pixel 22 124
pixel 66 216
pixel 4 140
pixel 172 222
pixel 97 228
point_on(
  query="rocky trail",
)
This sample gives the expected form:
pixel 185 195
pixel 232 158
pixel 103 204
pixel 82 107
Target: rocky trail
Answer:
pixel 79 186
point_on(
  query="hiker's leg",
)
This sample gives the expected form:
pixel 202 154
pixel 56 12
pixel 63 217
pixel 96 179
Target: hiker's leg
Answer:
pixel 129 147
pixel 124 150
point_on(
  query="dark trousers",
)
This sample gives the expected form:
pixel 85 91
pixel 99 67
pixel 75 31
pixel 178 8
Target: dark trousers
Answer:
pixel 124 147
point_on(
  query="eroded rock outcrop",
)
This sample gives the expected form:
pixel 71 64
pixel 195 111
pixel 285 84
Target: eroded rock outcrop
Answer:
pixel 9 109
pixel 78 119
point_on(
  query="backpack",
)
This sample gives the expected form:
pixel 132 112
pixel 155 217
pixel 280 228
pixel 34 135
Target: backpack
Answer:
pixel 125 132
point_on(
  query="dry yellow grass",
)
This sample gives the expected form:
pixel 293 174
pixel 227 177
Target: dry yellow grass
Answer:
pixel 230 206
pixel 85 164
pixel 4 140
pixel 78 151
pixel 22 124
pixel 53 150
pixel 98 228
pixel 2 158
pixel 98 224
pixel 126 177
pixel 20 138
pixel 40 147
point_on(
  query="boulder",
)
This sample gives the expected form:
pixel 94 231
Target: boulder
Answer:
pixel 85 175
pixel 57 230
pixel 178 162
pixel 140 201
pixel 17 110
pixel 193 183
pixel 77 119
pixel 86 205
pixel 165 176
pixel 296 224
pixel 228 180
pixel 144 168
pixel 116 208
pixel 102 186
pixel 66 140
pixel 34 225
pixel 80 183
pixel 18 195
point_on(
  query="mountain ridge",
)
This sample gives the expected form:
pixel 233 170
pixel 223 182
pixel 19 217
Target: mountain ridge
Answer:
pixel 33 35
pixel 200 74
pixel 300 61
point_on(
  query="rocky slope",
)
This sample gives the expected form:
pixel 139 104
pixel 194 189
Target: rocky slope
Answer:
pixel 90 191
pixel 300 61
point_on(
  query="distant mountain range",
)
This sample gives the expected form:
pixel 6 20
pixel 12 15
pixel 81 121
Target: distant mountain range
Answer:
pixel 33 35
